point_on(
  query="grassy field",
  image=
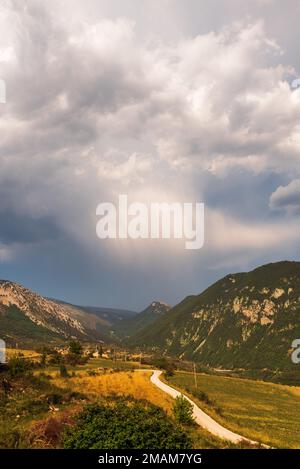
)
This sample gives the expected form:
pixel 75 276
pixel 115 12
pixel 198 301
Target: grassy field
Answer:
pixel 133 384
pixel 91 364
pixel 108 363
pixel 36 406
pixel 100 365
pixel 265 412
pixel 30 354
pixel 124 383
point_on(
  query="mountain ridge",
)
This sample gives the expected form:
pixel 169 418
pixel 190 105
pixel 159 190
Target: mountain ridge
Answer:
pixel 245 320
pixel 50 318
pixel 130 326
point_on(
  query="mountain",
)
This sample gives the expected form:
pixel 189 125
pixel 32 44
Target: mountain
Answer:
pixel 106 316
pixel 245 320
pixel 133 325
pixel 110 315
pixel 28 318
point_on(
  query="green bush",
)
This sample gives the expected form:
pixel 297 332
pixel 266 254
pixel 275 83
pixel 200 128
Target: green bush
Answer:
pixel 165 364
pixel 202 396
pixel 125 424
pixel 183 411
pixel 11 437
pixel 17 366
pixel 76 359
pixel 55 358
pixel 75 347
pixel 63 371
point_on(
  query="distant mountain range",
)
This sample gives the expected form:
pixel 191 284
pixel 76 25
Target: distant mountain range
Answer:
pixel 29 319
pixel 133 325
pixel 106 316
pixel 245 320
pixel 110 315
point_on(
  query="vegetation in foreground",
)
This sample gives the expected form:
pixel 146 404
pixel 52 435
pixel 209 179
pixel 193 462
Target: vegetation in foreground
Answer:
pixel 40 400
pixel 41 395
pixel 265 412
pixel 125 424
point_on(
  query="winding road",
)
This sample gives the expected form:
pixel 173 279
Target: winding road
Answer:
pixel 201 417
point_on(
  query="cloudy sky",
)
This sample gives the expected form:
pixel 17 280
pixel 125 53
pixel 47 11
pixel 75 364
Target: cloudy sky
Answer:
pixel 161 100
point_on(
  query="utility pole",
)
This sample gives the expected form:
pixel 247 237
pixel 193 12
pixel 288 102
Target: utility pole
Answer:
pixel 140 359
pixel 195 376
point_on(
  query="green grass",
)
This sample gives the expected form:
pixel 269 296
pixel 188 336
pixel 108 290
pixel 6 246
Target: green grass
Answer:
pixel 264 412
pixel 28 399
pixel 107 363
pixel 95 363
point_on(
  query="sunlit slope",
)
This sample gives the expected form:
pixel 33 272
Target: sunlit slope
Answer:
pixel 245 320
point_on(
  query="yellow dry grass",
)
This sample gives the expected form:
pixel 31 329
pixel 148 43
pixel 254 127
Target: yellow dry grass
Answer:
pixel 134 384
pixel 12 352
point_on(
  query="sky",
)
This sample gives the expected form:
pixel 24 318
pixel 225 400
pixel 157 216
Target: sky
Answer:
pixel 165 101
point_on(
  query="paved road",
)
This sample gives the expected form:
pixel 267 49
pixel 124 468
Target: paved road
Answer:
pixel 201 417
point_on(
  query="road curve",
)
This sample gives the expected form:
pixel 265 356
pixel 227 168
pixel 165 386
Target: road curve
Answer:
pixel 201 417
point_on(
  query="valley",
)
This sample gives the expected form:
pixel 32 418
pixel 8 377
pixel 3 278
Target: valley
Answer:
pixel 228 349
pixel 261 411
pixel 37 405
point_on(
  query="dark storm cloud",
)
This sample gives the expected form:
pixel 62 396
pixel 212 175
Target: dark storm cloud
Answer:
pixel 287 197
pixel 21 229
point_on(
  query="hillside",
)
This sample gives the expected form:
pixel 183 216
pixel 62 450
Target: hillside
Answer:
pixel 27 318
pixel 135 324
pixel 245 320
pixel 109 315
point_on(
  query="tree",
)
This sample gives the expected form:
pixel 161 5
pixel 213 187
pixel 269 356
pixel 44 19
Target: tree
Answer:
pixel 75 347
pixel 125 424
pixel 17 366
pixel 43 359
pixel 183 411
pixel 164 364
pixel 55 358
pixel 63 371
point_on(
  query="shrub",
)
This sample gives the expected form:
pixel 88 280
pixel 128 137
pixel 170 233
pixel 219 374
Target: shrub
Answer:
pixel 63 371
pixel 167 365
pixel 75 347
pixel 76 359
pixel 43 359
pixel 5 385
pixel 125 424
pixel 54 398
pixel 183 411
pixel 55 357
pixel 17 366
pixel 47 433
pixel 203 397
pixel 11 437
